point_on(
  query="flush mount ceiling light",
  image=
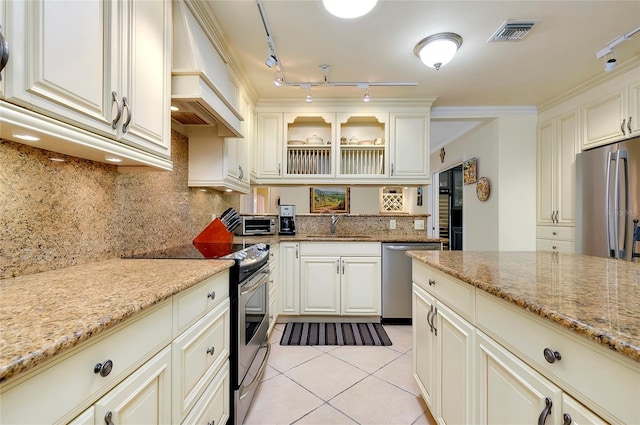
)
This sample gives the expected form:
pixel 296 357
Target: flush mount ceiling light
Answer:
pixel 438 49
pixel 349 9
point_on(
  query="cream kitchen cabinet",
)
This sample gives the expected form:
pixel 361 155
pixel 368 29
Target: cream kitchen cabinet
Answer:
pixel 268 147
pixel 613 113
pixel 409 146
pixel 289 279
pixel 274 279
pixel 144 397
pixel 343 144
pixel 340 279
pixel 444 346
pixel 61 389
pixel 110 78
pixel 509 391
pixel 556 173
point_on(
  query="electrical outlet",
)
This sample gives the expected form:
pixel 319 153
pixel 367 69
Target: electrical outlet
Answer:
pixel 418 224
pixel 392 224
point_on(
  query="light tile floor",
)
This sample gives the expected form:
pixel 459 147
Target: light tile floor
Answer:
pixel 326 385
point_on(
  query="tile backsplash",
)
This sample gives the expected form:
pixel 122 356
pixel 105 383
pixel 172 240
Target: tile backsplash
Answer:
pixel 59 214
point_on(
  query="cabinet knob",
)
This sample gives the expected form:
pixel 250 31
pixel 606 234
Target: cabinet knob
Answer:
pixel 551 356
pixel 545 412
pixel 104 368
pixel 432 282
pixel 566 419
pixel 211 350
pixel 211 295
pixel 554 247
pixel 107 418
pixel 553 233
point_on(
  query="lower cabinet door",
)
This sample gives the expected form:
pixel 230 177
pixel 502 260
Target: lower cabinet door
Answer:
pixel 456 369
pixel 574 413
pixel 424 345
pixel 320 285
pixel 511 392
pixel 143 398
pixel 213 407
pixel 360 286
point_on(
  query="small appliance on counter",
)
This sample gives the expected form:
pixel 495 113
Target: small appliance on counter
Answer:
pixel 286 220
pixel 256 226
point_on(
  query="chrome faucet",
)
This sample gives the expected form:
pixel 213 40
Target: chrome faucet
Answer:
pixel 334 221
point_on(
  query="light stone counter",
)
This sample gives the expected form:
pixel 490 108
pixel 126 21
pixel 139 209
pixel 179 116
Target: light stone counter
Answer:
pixel 48 313
pixel 597 298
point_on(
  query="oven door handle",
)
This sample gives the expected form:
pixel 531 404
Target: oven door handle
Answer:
pixel 247 389
pixel 254 287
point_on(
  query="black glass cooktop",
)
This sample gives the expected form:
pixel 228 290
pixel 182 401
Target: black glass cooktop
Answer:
pixel 201 251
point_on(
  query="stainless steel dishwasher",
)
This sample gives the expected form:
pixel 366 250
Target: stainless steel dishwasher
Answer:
pixel 396 279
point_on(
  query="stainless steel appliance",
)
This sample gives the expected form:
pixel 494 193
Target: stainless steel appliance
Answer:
pixel 248 294
pixel 249 325
pixel 254 225
pixel 287 220
pixel 396 279
pixel 608 199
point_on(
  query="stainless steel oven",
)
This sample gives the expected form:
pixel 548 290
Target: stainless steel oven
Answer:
pixel 253 347
pixel 249 325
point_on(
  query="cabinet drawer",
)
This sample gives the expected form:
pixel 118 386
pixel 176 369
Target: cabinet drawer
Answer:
pixel 555 245
pixel 606 384
pixel 556 233
pixel 457 295
pixel 55 392
pixel 213 406
pixel 192 304
pixel 367 249
pixel 197 354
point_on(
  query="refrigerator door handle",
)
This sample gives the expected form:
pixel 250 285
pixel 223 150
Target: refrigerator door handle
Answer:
pixel 607 197
pixel 623 190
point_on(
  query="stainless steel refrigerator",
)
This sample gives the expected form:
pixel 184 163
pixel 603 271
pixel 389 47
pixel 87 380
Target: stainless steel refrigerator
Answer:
pixel 608 200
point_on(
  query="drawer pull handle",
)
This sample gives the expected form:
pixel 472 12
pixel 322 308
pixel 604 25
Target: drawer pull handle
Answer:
pixel 107 418
pixel 566 419
pixel 114 123
pixel 429 318
pixel 551 356
pixel 211 295
pixel 211 423
pixel 622 127
pixel 545 412
pixel 103 368
pixel 432 282
pixel 435 313
pixel 629 125
pixel 211 350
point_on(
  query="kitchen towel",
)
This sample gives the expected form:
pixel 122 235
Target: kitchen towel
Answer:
pixel 334 334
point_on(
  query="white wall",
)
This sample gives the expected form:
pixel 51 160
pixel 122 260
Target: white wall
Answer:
pixel 505 147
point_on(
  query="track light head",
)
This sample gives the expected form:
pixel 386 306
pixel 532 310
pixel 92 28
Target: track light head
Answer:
pixel 308 98
pixel 366 97
pixel 610 62
pixel 278 81
pixel 271 61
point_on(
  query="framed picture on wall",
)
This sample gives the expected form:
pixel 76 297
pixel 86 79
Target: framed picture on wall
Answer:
pixel 329 199
pixel 470 170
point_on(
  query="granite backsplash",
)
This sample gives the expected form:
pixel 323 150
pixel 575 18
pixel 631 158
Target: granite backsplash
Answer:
pixel 59 214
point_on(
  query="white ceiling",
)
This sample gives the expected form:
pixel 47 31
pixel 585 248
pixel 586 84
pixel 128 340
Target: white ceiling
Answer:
pixel 557 55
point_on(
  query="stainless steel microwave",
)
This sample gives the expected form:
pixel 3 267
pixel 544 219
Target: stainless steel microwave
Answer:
pixel 253 225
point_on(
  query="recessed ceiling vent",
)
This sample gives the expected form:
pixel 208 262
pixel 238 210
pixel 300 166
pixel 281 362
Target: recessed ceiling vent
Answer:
pixel 512 31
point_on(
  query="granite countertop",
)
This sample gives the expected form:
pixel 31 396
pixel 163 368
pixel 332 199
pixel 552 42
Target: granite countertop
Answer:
pixel 340 238
pixel 597 298
pixel 48 313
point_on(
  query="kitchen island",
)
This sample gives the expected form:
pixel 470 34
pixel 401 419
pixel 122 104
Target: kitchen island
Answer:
pixel 535 329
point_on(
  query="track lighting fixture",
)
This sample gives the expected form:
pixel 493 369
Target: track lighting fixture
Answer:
pixel 438 49
pixel 308 98
pixel 271 60
pixel 278 81
pixel 607 53
pixel 366 96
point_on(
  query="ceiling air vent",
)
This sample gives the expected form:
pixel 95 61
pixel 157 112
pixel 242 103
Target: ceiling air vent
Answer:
pixel 512 31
